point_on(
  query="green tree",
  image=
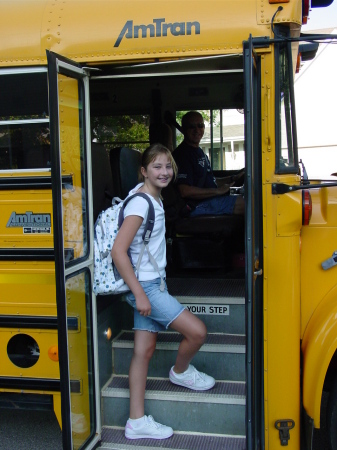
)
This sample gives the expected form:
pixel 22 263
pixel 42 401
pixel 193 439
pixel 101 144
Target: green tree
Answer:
pixel 120 131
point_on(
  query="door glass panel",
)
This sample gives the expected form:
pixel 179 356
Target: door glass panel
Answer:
pixel 81 367
pixel 72 153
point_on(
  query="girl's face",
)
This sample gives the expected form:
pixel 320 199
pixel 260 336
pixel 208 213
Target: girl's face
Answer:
pixel 159 172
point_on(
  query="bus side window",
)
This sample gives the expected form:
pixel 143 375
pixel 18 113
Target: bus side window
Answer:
pixel 24 120
pixel 285 137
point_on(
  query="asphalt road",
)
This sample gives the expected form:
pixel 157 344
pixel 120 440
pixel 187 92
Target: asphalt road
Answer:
pixel 39 430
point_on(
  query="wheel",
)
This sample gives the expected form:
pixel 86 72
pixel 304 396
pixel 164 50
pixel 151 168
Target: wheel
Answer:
pixel 331 417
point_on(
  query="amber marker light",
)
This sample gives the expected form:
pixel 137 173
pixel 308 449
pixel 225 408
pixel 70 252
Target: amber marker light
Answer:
pixel 53 353
pixel 108 334
pixel 306 207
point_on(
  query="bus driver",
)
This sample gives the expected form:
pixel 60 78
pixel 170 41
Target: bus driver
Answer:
pixel 196 181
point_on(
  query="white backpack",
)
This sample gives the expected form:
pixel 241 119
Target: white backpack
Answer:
pixel 107 279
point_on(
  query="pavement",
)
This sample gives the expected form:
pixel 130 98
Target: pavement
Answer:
pixel 29 430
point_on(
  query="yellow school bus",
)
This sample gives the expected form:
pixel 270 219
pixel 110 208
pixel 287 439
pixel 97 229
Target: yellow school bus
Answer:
pixel 84 87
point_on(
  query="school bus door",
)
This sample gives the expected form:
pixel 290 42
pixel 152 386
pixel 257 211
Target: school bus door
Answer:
pixel 254 249
pixel 73 233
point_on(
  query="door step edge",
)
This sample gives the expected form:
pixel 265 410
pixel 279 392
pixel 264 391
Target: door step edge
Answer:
pixel 193 441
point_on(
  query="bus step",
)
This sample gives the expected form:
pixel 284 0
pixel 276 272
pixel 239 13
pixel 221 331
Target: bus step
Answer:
pixel 113 438
pixel 218 410
pixel 206 288
pixel 222 355
pixel 220 304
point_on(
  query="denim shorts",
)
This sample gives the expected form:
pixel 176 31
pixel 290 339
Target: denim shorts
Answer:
pixel 215 206
pixel 164 308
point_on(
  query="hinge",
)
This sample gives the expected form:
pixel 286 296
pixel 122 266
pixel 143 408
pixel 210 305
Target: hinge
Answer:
pixel 284 426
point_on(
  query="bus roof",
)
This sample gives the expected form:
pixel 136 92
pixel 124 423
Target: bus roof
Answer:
pixel 95 31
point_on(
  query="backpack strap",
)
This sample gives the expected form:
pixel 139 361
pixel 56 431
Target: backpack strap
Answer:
pixel 147 232
pixel 150 217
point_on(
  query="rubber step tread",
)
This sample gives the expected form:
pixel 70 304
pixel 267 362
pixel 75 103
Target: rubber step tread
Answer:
pixel 113 438
pixel 222 392
pixel 216 339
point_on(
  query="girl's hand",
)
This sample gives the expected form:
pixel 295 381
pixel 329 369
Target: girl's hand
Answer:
pixel 143 305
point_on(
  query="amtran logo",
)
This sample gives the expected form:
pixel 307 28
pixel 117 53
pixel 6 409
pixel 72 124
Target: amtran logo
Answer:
pixel 158 29
pixel 29 220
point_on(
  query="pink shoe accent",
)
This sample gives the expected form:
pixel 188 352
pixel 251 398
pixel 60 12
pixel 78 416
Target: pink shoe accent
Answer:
pixel 128 425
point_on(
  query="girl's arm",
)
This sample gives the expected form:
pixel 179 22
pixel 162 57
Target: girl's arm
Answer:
pixel 123 240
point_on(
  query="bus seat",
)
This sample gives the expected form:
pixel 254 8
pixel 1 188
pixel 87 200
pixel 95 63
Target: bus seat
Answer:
pixel 125 165
pixel 206 241
pixel 203 241
pixel 102 185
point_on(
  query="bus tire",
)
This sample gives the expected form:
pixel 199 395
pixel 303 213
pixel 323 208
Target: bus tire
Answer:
pixel 331 417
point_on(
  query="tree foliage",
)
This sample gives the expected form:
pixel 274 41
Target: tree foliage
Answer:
pixel 121 130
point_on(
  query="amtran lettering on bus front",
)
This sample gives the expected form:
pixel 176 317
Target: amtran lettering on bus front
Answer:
pixel 159 28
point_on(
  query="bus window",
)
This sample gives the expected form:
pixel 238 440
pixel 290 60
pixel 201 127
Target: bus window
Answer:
pixel 121 131
pixel 24 146
pixel 223 140
pixel 286 144
pixel 24 121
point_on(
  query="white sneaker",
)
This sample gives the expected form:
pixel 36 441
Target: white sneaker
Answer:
pixel 192 379
pixel 147 429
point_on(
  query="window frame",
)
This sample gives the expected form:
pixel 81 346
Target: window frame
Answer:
pixel 281 168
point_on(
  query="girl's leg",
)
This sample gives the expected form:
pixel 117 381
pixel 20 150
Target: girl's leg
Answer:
pixel 194 332
pixel 144 347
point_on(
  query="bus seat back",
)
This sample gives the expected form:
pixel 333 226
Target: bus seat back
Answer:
pixel 125 165
pixel 102 184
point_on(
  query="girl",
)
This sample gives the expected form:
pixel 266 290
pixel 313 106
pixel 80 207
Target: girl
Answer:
pixel 154 309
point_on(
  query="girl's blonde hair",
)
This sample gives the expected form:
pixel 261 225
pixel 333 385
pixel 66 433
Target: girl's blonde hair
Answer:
pixel 151 153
